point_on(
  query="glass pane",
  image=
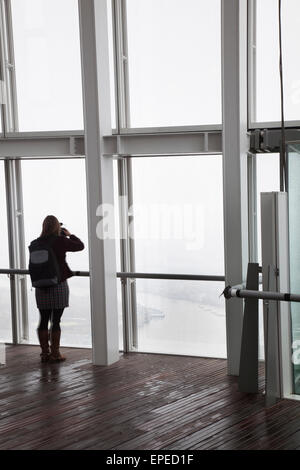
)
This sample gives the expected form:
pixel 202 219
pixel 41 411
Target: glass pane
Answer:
pixel 181 317
pixel 48 64
pixel 5 310
pixel 267 99
pixel 178 214
pixel 294 233
pixel 174 62
pixel 61 190
pixel 268 180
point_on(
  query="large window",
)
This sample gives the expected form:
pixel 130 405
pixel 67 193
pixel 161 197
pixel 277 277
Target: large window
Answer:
pixel 178 214
pixel 5 308
pixel 178 228
pixel 174 62
pixel 266 93
pixel 58 187
pixel 48 66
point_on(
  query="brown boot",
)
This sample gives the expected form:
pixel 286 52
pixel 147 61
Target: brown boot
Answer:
pixel 43 339
pixel 55 355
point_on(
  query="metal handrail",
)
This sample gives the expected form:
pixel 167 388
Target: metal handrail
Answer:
pixel 237 291
pixel 177 277
pixel 25 271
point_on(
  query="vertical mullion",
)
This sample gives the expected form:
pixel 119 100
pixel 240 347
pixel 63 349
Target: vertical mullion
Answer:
pixel 13 180
pixel 116 64
pixel 132 255
pixel 13 252
pixel 125 257
pixel 12 68
pixel 3 64
pixel 125 177
pixel 252 208
pixel 2 83
pixel 120 20
pixel 125 64
pixel 121 117
pixel 21 249
pixel 252 57
pixel 8 65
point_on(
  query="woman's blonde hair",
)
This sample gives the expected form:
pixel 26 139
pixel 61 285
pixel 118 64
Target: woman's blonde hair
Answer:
pixel 51 226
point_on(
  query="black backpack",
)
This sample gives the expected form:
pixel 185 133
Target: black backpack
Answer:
pixel 43 265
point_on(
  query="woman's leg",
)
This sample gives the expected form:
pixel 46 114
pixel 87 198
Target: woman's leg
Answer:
pixel 43 333
pixel 56 317
pixel 44 319
pixel 55 336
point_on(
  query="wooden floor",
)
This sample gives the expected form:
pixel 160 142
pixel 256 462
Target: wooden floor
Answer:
pixel 142 402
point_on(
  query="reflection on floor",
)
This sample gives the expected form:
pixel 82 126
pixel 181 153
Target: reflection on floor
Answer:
pixel 142 402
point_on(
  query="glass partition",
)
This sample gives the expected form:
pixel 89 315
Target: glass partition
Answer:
pixel 294 234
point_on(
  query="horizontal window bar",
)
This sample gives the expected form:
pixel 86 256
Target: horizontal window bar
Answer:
pixel 147 155
pixel 272 125
pixel 44 134
pixel 180 277
pixel 171 129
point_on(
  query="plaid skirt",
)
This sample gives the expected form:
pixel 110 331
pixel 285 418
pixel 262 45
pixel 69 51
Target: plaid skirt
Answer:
pixel 52 297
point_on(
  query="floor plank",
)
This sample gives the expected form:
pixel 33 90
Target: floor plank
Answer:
pixel 144 401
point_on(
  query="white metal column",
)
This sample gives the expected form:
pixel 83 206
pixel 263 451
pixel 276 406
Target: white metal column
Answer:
pixel 97 111
pixel 235 145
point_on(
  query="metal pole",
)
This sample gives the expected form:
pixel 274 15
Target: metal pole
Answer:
pixel 232 292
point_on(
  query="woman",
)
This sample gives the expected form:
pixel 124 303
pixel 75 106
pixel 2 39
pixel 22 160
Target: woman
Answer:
pixel 51 301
